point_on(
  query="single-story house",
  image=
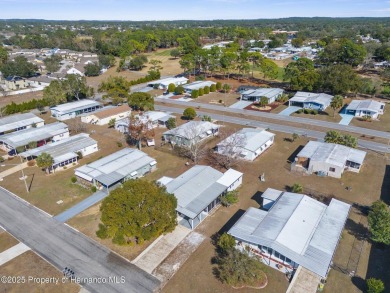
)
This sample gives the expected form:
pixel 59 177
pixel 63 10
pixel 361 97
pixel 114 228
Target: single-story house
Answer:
pixel 14 83
pixel 328 159
pixel 156 119
pixel 19 122
pixel 65 152
pixel 198 191
pixel 104 115
pixel 41 136
pixel 191 133
pixel 165 82
pixel 272 94
pixel 116 168
pixel 247 144
pixel 74 71
pixel 311 100
pixel 295 230
pixel 360 108
pixel 196 85
pixel 71 110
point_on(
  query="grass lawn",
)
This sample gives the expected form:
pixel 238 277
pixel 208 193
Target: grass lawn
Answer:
pixel 215 98
pixel 279 109
pixel 259 74
pixel 326 115
pixel 382 124
pixel 6 241
pixel 163 53
pixel 31 265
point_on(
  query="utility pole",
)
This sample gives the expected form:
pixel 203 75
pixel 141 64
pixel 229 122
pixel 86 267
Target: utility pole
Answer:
pixel 24 177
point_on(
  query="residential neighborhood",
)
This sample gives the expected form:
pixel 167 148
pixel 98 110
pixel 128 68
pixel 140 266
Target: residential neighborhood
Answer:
pixel 227 146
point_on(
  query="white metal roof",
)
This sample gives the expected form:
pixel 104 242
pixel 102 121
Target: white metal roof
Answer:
pixel 321 98
pixel 331 153
pixel 193 128
pixel 24 137
pixel 365 105
pixel 229 177
pixel 169 80
pixel 74 106
pixel 297 226
pixel 263 92
pixel 272 194
pixel 17 121
pixel 155 116
pixel 198 84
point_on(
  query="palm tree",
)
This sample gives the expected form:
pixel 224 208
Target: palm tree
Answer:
pixel 336 103
pixel 45 161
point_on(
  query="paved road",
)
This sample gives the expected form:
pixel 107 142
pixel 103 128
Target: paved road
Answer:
pixel 81 206
pixel 365 144
pixel 306 121
pixel 63 247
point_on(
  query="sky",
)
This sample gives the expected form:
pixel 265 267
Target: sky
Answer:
pixel 188 9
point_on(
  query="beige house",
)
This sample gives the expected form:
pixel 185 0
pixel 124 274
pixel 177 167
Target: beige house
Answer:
pixel 14 83
pixel 104 116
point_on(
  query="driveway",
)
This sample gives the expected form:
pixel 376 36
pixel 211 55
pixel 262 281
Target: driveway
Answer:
pixel 99 269
pixel 346 119
pixel 289 110
pixel 241 105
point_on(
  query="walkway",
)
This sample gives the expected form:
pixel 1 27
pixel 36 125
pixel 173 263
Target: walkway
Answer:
pixel 304 281
pixel 289 110
pixel 13 252
pixel 81 206
pixel 13 169
pixel 346 119
pixel 241 105
pixel 151 257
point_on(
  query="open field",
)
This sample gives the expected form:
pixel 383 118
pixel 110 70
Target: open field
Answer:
pixel 6 241
pixel 29 265
pixel 20 98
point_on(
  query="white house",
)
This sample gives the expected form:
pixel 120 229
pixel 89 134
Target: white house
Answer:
pixel 246 144
pixel 74 71
pixel 191 133
pixel 71 110
pixel 196 85
pixel 65 152
pixel 116 168
pixel 19 122
pixel 294 230
pixel 272 94
pixel 328 159
pixel 155 118
pixel 165 82
pixel 41 136
pixel 103 116
pixel 360 108
pixel 311 100
pixel 198 191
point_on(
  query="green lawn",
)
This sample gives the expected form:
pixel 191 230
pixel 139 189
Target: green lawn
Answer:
pixel 280 72
pixel 164 53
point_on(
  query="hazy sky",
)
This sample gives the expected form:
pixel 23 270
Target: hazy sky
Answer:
pixel 195 9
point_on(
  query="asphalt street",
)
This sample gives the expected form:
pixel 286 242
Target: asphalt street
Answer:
pixel 99 269
pixel 365 144
pixel 305 121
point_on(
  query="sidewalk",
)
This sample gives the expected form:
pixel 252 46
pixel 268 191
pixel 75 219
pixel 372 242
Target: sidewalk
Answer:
pixel 13 169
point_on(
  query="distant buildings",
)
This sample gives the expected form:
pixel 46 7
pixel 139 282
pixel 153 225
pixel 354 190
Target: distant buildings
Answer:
pixel 293 230
pixel 311 100
pixel 272 94
pixel 14 83
pixel 116 168
pixel 191 133
pixel 198 191
pixel 71 110
pixel 328 159
pixel 19 122
pixel 246 144
pixel 361 108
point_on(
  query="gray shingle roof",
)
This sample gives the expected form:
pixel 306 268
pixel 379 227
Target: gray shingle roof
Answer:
pixel 297 226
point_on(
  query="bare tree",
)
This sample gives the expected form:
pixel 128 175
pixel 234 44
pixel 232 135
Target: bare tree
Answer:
pixel 76 126
pixel 140 130
pixel 230 148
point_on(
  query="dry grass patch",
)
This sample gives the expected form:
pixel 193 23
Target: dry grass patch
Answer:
pixel 7 241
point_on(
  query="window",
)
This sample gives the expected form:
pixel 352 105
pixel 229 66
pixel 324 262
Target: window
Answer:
pixel 331 169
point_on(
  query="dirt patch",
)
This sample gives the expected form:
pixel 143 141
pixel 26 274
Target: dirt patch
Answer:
pixel 7 241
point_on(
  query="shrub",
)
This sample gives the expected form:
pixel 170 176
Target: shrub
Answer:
pixel 206 118
pixel 171 88
pixel 297 188
pixel 1 159
pixel 189 113
pixel 218 86
pixel 226 242
pixel 119 144
pixel 229 198
pixel 200 77
pixel 93 188
pixel 201 92
pixel 73 179
pixel 213 88
pixel 194 94
pixel 206 90
pixel 65 167
pixel 375 286
pixel 102 231
pixel 314 112
pixel 171 123
pixel 220 101
pixel 179 90
pixel 299 111
pixel 80 155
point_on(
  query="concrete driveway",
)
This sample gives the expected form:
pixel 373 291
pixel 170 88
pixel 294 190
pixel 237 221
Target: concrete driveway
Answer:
pixel 289 110
pixel 241 105
pixel 346 119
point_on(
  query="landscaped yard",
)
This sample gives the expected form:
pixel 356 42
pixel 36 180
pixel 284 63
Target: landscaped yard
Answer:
pixel 31 265
pixel 326 115
pixel 382 124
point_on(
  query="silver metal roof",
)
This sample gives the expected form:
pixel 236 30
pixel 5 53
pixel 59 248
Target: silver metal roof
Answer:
pixel 75 106
pixel 196 188
pixel 365 105
pixel 189 129
pixel 331 153
pixel 322 99
pixel 263 92
pixel 63 149
pixel 116 166
pixel 198 84
pixel 23 137
pixel 17 121
pixel 297 226
pixel 253 138
pixel 272 194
